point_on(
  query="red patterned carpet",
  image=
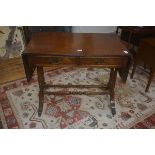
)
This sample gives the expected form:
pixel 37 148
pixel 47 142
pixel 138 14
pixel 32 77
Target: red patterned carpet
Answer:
pixel 148 123
pixel 134 107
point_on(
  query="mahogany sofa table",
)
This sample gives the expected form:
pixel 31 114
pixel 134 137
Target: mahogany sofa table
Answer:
pixel 75 49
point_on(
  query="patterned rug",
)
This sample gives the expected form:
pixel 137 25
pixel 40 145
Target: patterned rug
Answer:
pixel 148 123
pixel 19 102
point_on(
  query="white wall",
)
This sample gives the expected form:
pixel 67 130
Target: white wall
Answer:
pixel 94 29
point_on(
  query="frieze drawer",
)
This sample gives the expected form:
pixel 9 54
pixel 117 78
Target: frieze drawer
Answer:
pixel 53 60
pixel 106 61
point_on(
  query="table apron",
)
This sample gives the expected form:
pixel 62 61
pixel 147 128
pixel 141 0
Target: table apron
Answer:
pixel 109 62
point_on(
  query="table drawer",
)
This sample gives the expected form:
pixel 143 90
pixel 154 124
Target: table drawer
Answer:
pixel 53 60
pixel 107 61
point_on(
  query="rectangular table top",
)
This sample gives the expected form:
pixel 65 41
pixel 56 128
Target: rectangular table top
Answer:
pixel 149 41
pixel 76 44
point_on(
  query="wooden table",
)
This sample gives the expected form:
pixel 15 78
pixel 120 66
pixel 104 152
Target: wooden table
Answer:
pixel 136 33
pixel 146 53
pixel 76 49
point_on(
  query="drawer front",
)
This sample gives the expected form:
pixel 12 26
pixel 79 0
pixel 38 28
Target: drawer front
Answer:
pixel 104 61
pixel 53 60
pixel 107 61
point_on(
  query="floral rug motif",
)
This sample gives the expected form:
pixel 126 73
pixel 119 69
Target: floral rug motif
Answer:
pixel 19 102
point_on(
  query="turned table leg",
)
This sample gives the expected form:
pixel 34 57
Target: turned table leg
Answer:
pixel 111 85
pixel 41 82
pixel 150 79
pixel 133 70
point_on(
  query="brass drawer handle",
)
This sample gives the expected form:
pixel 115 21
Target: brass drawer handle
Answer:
pixel 54 60
pixel 99 61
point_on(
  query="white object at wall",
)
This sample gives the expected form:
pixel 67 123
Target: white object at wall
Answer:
pixel 94 29
pixel 11 43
